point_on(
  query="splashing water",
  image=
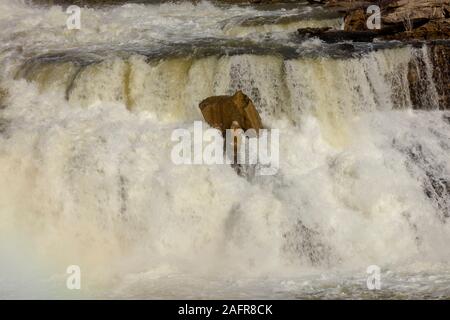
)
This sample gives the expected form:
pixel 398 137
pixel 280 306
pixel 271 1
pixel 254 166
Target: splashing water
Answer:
pixel 87 178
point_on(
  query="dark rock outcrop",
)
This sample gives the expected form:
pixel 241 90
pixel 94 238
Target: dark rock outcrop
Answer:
pixel 407 16
pixel 356 20
pixel 440 58
pixel 403 20
pixel 408 10
pixel 317 1
pixel 408 21
pixel 332 36
pixel 419 74
pixel 431 30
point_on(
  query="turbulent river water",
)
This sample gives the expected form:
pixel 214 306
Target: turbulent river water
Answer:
pixel 86 176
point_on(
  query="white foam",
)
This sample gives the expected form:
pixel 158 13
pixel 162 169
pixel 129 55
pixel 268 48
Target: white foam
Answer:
pixel 85 181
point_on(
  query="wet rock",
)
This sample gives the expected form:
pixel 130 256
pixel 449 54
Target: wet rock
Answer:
pixel 408 21
pixel 347 5
pixel 394 11
pixel 317 1
pixel 403 19
pixel 333 36
pixel 312 32
pixel 431 30
pixel 356 20
pixel 418 73
pixel 428 22
pixel 403 11
pixel 435 183
pixel 227 112
pixel 440 58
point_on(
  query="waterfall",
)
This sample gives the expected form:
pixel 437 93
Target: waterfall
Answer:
pixel 85 144
pixel 171 89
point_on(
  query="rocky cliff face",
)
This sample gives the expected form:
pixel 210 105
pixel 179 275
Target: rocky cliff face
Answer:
pixel 403 13
pixel 436 68
pixel 440 57
pixel 407 21
pixel 406 10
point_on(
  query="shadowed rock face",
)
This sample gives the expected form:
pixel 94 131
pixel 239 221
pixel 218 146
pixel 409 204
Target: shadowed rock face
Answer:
pixel 440 56
pixel 432 30
pixel 417 20
pixel 356 20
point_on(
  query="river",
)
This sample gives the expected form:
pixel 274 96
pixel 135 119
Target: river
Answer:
pixel 87 178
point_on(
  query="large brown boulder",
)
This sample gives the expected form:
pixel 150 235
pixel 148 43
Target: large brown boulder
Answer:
pixel 221 111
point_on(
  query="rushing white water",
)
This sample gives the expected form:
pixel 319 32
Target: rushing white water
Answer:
pixel 87 178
